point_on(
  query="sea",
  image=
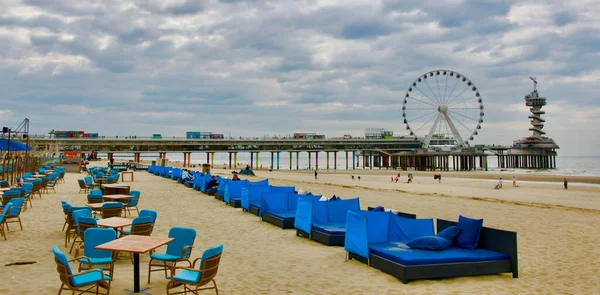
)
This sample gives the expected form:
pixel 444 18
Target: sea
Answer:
pixel 566 165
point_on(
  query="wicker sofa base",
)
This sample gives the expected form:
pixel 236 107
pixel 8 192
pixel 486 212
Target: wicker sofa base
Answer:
pixel 324 238
pixel 220 198
pixel 254 210
pixel 235 203
pixel 283 223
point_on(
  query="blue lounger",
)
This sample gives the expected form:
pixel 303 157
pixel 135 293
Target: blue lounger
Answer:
pixel 324 221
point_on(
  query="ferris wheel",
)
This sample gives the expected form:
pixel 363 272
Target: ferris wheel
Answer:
pixel 444 108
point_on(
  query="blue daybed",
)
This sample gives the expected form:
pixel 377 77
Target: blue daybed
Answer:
pixel 379 239
pixel 279 208
pixel 324 221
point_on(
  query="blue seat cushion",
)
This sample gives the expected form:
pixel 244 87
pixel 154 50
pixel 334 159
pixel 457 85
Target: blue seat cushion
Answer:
pixel 88 278
pixel 434 243
pixel 188 276
pixel 330 228
pixel 470 228
pixel 283 214
pixel 402 254
pixel 103 260
pixel 164 257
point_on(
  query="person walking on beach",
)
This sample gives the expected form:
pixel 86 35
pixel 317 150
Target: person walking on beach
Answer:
pixel 500 183
pixel 566 183
pixel 514 179
pixel 316 177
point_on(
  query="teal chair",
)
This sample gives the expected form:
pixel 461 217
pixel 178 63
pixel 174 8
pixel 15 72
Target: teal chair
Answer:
pixel 93 257
pixel 83 282
pixel 141 226
pixel 112 209
pixel 15 212
pixel 193 279
pixel 150 213
pixel 132 202
pixel 77 215
pixel 3 219
pixel 28 188
pixel 177 251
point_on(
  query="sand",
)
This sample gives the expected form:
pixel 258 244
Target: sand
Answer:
pixel 558 250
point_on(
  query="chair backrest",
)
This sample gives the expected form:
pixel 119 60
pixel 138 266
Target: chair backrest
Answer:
pixel 91 198
pixel 96 192
pixel 96 236
pixel 209 264
pixel 9 195
pixel 135 194
pixel 184 236
pixel 62 266
pixel 27 187
pixel 112 209
pixel 86 223
pixel 142 226
pixel 147 212
pixel 17 205
pixel 4 183
pixel 88 180
pixel 77 214
pixel 5 212
pixel 81 183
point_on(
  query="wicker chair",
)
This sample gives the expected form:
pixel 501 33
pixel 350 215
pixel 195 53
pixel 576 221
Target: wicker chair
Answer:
pixel 14 215
pixel 112 209
pixel 83 186
pixel 83 282
pixel 192 278
pixel 178 250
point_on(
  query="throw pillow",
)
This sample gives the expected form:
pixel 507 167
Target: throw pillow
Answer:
pixel 435 243
pixel 468 238
pixel 449 233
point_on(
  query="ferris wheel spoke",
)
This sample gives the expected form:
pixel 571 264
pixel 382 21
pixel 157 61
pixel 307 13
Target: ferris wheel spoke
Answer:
pixel 432 92
pixel 451 92
pixel 433 101
pixel 438 88
pixel 418 129
pixel 464 100
pixel 461 123
pixel 460 94
pixel 427 103
pixel 445 88
pixel 464 116
pixel 421 116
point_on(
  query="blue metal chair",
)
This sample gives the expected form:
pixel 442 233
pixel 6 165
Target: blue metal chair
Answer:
pixel 28 188
pixel 141 226
pixel 15 212
pixel 3 219
pixel 4 183
pixel 177 251
pixel 93 257
pixel 94 198
pixel 77 215
pixel 71 223
pixel 83 282
pixel 83 186
pixel 112 209
pixel 152 214
pixel 206 273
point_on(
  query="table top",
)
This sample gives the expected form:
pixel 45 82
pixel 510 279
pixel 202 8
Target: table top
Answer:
pixel 123 172
pixel 135 244
pixel 48 171
pixel 115 185
pixel 114 222
pixel 3 189
pixel 116 197
pixel 38 176
pixel 95 206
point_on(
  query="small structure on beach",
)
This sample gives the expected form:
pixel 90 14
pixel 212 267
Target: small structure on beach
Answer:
pixel 536 151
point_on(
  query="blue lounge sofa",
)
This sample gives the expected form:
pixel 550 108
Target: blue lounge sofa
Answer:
pixel 379 239
pixel 279 208
pixel 324 221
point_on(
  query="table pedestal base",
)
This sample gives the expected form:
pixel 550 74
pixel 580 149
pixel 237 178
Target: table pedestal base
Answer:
pixel 129 291
pixel 136 277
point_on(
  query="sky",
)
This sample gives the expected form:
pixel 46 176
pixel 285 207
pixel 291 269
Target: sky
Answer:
pixel 255 68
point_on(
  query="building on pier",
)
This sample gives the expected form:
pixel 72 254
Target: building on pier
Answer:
pixel 536 151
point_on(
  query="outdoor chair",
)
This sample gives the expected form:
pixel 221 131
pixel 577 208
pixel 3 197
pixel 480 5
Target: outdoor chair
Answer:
pixel 89 182
pixel 28 188
pixel 71 223
pixel 93 198
pixel 9 195
pixel 177 251
pixel 140 226
pixel 82 186
pixel 52 185
pixel 14 215
pixel 65 207
pixel 112 209
pixel 77 215
pixel 152 214
pixel 193 279
pixel 132 202
pixel 3 219
pixel 37 187
pixel 4 184
pixel 83 282
pixel 98 258
pixel 44 185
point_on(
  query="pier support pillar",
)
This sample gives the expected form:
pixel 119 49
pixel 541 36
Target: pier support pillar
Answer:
pixel 297 160
pixel 370 160
pixel 278 160
pixel 184 159
pixel 272 159
pixel 235 160
pixel 290 160
pixel 229 160
pixel 353 159
pixel 257 160
pixel 316 160
pixel 327 156
pixel 309 160
pixel 207 157
pixel 251 159
pixel 334 161
pixel 136 157
pixel 189 159
pixel 212 160
pixel 346 160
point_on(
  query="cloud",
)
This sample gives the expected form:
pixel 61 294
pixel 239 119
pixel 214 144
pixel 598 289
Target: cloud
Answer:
pixel 279 67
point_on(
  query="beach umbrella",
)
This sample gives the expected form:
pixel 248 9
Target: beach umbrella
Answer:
pixel 15 146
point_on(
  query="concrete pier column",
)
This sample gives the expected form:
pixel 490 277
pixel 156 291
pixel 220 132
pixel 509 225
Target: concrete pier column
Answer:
pixel 235 160
pixel 229 160
pixel 189 159
pixel 290 160
pixel 297 160
pixel 309 161
pixel 272 158
pixel 278 160
pixel 346 160
pixel 327 158
pixel 251 159
pixel 212 160
pixel 184 159
pixel 334 161
pixel 371 160
pixel 353 159
pixel 207 157
pixel 317 160
pixel 256 167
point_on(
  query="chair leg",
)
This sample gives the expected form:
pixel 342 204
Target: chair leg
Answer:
pixel 20 224
pixel 216 289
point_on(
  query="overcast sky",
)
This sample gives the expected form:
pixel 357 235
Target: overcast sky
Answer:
pixel 249 68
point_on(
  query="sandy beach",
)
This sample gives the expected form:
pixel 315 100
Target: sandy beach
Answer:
pixel 558 251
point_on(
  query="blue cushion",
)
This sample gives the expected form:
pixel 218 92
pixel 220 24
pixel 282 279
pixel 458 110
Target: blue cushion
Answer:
pixel 88 278
pixel 164 257
pixel 283 214
pixel 404 255
pixel 468 238
pixel 435 243
pixel 102 260
pixel 330 228
pixel 379 209
pixel 449 233
pixel 188 276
